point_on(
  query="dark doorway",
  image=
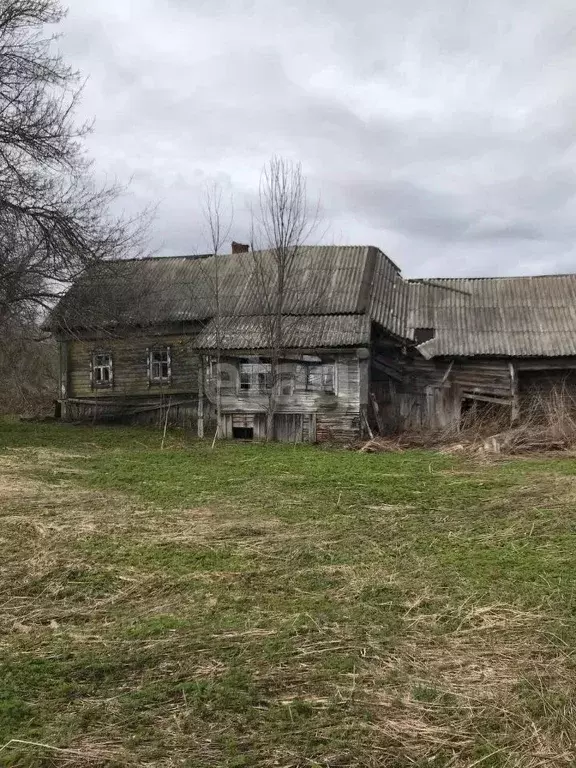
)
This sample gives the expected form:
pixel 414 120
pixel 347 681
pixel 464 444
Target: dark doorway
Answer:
pixel 243 433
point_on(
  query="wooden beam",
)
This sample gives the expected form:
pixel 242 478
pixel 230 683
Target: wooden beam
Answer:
pixel 64 378
pixel 365 417
pixel 388 370
pixel 514 392
pixel 485 398
pixel 200 414
pixel 377 414
pixel 448 372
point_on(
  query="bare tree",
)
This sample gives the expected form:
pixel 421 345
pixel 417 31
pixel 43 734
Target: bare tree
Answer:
pixel 54 221
pixel 282 226
pixel 218 217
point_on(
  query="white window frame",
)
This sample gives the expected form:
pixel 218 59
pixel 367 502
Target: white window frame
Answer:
pixel 323 370
pixel 254 371
pixel 163 351
pixel 98 379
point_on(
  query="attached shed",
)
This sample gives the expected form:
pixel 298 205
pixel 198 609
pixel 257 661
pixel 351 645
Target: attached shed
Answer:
pixel 486 340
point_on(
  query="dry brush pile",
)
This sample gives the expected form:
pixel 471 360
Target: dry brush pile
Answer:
pixel 547 423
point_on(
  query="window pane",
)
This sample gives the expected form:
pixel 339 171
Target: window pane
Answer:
pixel 160 356
pixel 102 369
pixel 300 379
pixel 159 367
pixel 328 378
pixel 314 378
pixel 286 383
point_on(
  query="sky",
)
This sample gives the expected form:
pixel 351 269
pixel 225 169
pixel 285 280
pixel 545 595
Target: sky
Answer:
pixel 441 131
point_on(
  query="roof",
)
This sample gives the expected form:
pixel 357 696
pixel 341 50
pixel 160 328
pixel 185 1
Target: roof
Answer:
pixel 336 291
pixel 299 332
pixel 324 280
pixel 499 316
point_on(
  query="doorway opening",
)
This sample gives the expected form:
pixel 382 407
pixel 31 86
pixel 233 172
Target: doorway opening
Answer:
pixel 243 433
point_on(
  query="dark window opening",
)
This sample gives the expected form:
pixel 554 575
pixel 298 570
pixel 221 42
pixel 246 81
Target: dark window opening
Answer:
pixel 423 334
pixel 159 364
pixel 243 433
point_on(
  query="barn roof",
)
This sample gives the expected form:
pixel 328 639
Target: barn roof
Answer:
pixel 497 316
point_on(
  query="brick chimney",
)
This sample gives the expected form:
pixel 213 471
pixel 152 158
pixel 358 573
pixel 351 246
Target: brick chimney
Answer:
pixel 239 247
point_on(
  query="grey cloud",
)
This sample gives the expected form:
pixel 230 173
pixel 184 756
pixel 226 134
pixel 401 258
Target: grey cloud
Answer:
pixel 439 131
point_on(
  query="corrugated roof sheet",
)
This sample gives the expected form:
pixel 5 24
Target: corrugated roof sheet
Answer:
pixel 505 316
pixel 511 316
pixel 323 280
pixel 389 295
pixel 310 332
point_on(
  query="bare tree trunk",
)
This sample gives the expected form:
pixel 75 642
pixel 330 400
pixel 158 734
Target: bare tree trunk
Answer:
pixel 219 223
pixel 281 227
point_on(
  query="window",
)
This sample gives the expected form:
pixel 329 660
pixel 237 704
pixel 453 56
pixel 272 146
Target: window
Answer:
pixel 228 374
pixel 315 378
pixel 328 378
pixel 255 376
pixel 286 383
pixel 102 369
pixel 159 365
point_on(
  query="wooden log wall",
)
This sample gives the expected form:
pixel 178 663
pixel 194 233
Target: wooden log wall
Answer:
pixel 130 366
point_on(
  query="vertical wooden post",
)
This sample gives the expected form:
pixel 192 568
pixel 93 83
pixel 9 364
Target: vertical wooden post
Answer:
pixel 363 356
pixel 63 393
pixel 377 414
pixel 200 397
pixel 515 414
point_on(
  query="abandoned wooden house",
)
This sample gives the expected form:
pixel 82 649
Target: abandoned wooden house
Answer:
pixel 362 349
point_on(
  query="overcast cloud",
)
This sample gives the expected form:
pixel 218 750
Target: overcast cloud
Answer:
pixel 441 131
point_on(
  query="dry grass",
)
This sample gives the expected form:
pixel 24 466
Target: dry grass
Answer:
pixel 283 607
pixel 547 424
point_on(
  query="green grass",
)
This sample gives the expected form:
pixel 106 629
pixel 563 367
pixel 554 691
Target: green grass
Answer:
pixel 281 606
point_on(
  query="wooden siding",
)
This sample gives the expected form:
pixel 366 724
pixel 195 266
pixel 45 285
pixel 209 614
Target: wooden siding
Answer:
pixel 302 416
pixel 136 410
pixel 489 376
pixel 131 367
pixel 341 428
pixel 346 398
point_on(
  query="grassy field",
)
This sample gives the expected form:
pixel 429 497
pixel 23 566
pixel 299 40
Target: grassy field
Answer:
pixel 281 606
